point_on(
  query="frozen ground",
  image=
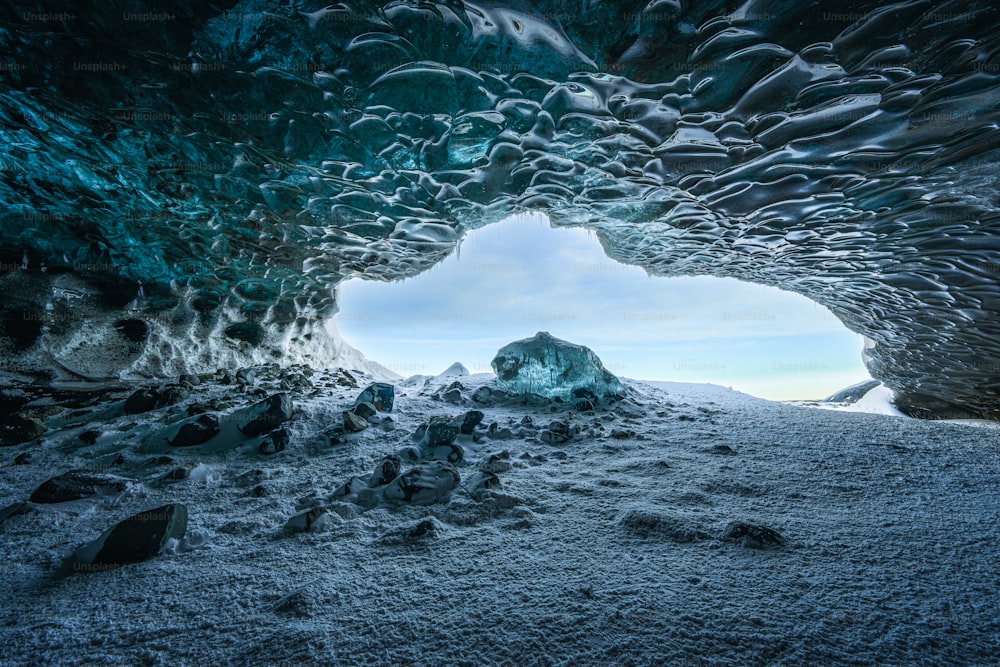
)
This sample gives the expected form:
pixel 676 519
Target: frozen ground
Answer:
pixel 604 550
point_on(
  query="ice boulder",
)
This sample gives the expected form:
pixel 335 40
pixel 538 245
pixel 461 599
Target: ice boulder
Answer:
pixel 553 368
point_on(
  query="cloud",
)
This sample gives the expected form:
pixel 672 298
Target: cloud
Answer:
pixel 520 276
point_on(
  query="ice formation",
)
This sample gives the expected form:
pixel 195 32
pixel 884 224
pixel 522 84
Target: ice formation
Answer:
pixel 178 194
pixel 554 368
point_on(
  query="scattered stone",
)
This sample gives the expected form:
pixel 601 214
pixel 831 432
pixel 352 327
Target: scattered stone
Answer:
pixel 453 396
pixel 13 510
pixel 365 410
pixel 424 485
pixel 137 538
pixel 74 485
pixel 141 400
pixel 526 421
pixel 245 376
pixel 17 429
pixel 197 432
pixel 553 368
pixel 482 396
pixel 451 452
pixel 723 450
pixel 274 442
pixel 752 535
pixel 336 434
pixel 481 482
pixel 425 528
pixel 89 437
pixel 584 405
pixel 650 524
pixel 266 416
pixel 470 421
pixel 438 431
pixel 189 379
pixel 258 491
pixel 379 394
pixel 387 470
pixel 496 463
pixel 22 459
pixel 310 519
pixel 144 400
pixel 556 433
pixel 620 434
pixel 352 422
pixel 179 473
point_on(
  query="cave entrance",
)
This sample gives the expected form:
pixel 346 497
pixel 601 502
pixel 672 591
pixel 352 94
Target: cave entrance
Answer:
pixel 515 278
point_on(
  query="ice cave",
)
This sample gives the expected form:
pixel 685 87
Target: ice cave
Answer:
pixel 197 468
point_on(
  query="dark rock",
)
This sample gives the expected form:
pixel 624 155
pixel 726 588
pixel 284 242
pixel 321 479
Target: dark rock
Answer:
pixel 752 535
pixel 74 485
pixel 439 431
pixel 379 394
pixel 482 396
pixel 365 410
pixel 17 429
pixel 258 491
pixel 22 459
pixel 556 433
pixel 585 394
pixel 424 485
pixel 471 420
pixel 306 521
pixel 336 434
pixel 584 406
pixel 650 524
pixel 198 432
pixel 90 437
pixel 620 434
pixel 425 528
pixel 144 400
pixel 189 379
pixel 274 442
pixel 499 462
pixel 248 332
pixel 453 396
pixel 13 510
pixel 450 452
pixel 178 474
pixel 723 450
pixel 245 376
pixel 387 470
pixel 352 422
pixel 135 539
pixel 267 415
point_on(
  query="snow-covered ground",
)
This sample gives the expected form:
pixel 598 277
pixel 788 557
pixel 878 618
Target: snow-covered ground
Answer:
pixel 607 549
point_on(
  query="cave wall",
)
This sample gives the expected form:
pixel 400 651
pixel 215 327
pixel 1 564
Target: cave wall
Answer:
pixel 215 171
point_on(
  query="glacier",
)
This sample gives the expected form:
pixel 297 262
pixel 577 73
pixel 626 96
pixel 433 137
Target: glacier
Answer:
pixel 186 189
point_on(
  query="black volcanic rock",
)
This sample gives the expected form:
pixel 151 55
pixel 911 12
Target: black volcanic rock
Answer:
pixel 135 539
pixel 266 415
pixel 74 485
pixel 17 429
pixel 198 432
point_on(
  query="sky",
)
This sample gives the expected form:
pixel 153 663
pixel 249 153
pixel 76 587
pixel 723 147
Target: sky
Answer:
pixel 514 278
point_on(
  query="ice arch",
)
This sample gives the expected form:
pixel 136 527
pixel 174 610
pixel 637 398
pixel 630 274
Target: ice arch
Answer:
pixel 519 276
pixel 239 160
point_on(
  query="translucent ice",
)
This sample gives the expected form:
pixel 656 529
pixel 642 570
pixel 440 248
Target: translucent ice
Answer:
pixel 554 368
